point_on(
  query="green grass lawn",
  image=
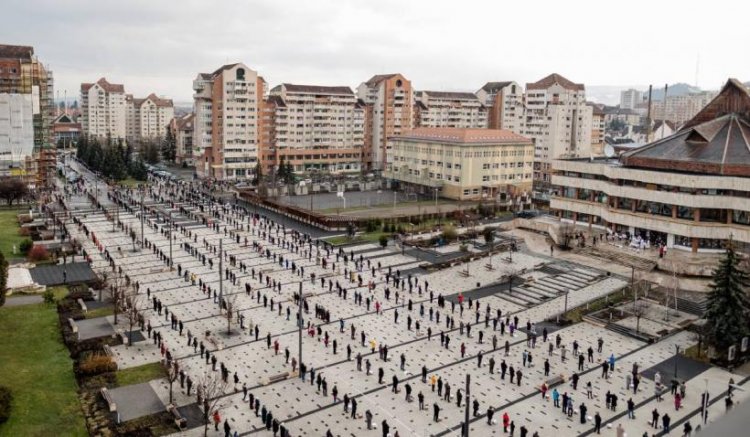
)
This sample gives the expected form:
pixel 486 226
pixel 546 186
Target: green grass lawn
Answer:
pixel 130 182
pixel 35 365
pixel 368 237
pixel 9 232
pixel 100 312
pixel 137 375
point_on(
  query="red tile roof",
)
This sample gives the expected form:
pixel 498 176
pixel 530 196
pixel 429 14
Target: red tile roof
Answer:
pixel 108 87
pixel 16 52
pixel 464 136
pixel 553 79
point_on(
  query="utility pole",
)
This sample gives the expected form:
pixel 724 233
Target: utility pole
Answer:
pixel 143 212
pixel 468 403
pixel 300 329
pixel 170 240
pixel 221 271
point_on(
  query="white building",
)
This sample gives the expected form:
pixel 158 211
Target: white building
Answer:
pixel 558 120
pixel 227 121
pixel 449 109
pixel 390 111
pixel 148 118
pixel 466 164
pixel 103 110
pixel 16 128
pixel 630 98
pixel 679 109
pixel 318 128
pixel 505 106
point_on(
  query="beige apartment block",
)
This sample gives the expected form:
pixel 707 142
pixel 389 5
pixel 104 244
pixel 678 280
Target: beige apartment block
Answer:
pixel 318 128
pixel 504 103
pixel 558 120
pixel 147 119
pixel 389 112
pixel 688 191
pixel 464 164
pixel 679 109
pixel 449 109
pixel 103 110
pixel 184 129
pixel 227 127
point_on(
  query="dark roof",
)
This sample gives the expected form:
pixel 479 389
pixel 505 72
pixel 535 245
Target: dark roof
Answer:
pixel 720 146
pixel 420 105
pixel 552 79
pixel 493 87
pixel 108 87
pixel 158 101
pixel 669 124
pixel 734 97
pixel 63 118
pixel 16 52
pixel 316 89
pixel 375 80
pixel 449 95
pixel 224 67
pixel 276 100
pixel 182 122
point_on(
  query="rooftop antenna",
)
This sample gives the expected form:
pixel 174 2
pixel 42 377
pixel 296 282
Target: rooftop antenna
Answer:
pixel 648 116
pixel 697 68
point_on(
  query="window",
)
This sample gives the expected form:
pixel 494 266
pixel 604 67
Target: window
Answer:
pixel 240 74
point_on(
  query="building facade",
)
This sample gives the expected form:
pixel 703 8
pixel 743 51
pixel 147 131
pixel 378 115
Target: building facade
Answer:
pixel 689 191
pixel 317 128
pixel 26 113
pixel 147 119
pixel 464 164
pixel 679 109
pixel 558 120
pixel 103 110
pixel 504 103
pixel 227 128
pixel 184 129
pixel 631 98
pixel 66 131
pixel 389 112
pixel 598 130
pixel 449 109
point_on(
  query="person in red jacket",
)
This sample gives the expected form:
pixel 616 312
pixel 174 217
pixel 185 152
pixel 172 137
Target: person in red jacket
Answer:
pixel 506 421
pixel 217 420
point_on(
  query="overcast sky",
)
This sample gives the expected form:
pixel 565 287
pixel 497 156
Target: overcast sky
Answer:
pixel 160 45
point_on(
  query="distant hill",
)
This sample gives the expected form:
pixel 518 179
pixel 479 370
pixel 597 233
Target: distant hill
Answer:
pixel 678 89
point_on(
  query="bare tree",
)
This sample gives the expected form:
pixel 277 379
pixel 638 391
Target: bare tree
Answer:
pixel 173 372
pixel 639 310
pixel 133 313
pixel 116 288
pixel 511 272
pixel 209 392
pixel 230 306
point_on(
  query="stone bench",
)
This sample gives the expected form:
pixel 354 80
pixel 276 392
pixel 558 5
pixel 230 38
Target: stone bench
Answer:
pixel 83 305
pixel 555 380
pixel 120 333
pixel 275 378
pixel 73 326
pixel 216 342
pixel 108 397
pixel 179 420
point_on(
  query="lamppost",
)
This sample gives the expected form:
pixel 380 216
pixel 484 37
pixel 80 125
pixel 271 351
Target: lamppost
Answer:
pixel 676 357
pixel 468 402
pixel 170 241
pixel 299 321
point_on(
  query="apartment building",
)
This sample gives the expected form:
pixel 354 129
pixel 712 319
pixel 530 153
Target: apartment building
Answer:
pixel 317 128
pixel 505 105
pixel 598 128
pixel 184 129
pixel 227 126
pixel 558 121
pixel 689 191
pixel 26 114
pixel 103 110
pixel 389 112
pixel 449 109
pixel 631 98
pixel 463 164
pixel 679 109
pixel 148 118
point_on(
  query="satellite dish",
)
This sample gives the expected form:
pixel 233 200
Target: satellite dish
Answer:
pixel 609 151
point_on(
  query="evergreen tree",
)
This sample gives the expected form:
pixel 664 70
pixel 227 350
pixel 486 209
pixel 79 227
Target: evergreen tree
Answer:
pixel 281 171
pixel 3 278
pixel 150 152
pixel 169 146
pixel 138 170
pixel 258 174
pixel 289 173
pixel 728 310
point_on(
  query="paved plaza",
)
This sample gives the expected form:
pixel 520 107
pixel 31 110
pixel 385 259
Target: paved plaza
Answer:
pixel 365 307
